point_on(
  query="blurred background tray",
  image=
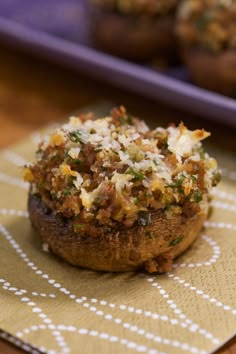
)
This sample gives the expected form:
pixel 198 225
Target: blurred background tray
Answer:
pixel 59 30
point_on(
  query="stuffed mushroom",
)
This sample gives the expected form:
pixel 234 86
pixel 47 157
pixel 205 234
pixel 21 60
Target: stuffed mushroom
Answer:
pixel 134 29
pixel 207 32
pixel 112 195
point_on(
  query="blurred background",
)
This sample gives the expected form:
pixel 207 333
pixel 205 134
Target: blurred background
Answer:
pixel 132 30
pixel 63 18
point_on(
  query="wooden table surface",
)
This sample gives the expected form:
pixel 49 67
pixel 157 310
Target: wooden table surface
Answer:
pixel 34 92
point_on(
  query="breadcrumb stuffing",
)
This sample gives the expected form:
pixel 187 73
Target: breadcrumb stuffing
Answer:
pixel 109 170
pixel 209 24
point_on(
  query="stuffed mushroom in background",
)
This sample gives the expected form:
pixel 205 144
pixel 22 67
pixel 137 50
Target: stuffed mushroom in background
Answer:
pixel 134 29
pixel 112 195
pixel 207 33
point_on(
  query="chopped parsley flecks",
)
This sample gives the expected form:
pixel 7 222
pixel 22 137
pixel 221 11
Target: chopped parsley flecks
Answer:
pixel 126 119
pixel 178 182
pixel 138 175
pixel 176 241
pixel 197 196
pixel 150 234
pixel 76 136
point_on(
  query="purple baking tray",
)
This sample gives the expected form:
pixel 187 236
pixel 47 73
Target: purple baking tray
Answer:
pixel 59 31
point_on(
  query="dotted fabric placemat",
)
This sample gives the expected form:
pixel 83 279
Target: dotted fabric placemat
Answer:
pixel 58 308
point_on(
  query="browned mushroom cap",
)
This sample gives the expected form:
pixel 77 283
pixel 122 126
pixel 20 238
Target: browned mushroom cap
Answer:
pixel 216 72
pixel 111 194
pixel 134 29
pixel 142 38
pixel 151 247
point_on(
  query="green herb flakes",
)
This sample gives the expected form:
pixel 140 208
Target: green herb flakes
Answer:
pixel 155 162
pixel 77 161
pixel 202 153
pixel 67 192
pixel 76 137
pixel 126 120
pixel 150 234
pixel 177 183
pixel 216 178
pixel 137 174
pixel 197 196
pixel 78 227
pixel 176 241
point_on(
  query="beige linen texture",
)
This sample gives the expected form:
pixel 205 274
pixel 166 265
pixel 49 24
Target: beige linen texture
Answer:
pixel 62 309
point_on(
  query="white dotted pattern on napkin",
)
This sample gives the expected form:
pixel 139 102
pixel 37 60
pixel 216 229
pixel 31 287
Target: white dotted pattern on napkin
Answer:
pixel 179 319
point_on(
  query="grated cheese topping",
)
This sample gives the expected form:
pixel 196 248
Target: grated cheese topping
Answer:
pixel 111 169
pixel 181 140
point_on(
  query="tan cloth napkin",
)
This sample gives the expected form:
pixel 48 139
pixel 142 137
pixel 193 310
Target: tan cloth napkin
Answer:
pixel 62 309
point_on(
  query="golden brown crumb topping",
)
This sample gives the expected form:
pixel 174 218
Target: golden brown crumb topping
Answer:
pixel 116 170
pixel 209 24
pixel 149 7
